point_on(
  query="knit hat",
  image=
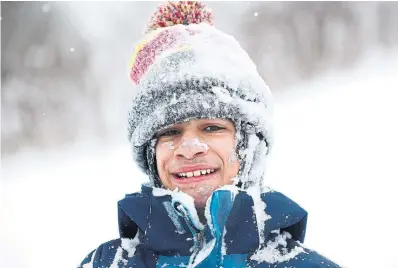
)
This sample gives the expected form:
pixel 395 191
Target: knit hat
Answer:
pixel 184 68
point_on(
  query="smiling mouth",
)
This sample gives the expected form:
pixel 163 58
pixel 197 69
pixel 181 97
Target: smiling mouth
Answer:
pixel 196 173
pixel 195 176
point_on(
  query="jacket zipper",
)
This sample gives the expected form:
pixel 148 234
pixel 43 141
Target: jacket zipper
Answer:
pixel 197 234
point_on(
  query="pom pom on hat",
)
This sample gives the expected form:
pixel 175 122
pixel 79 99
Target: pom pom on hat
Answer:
pixel 181 12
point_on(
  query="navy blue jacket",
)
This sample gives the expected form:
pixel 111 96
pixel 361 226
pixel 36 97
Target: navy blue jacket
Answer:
pixel 158 231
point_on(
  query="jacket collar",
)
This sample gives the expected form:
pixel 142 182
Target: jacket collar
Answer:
pixel 238 221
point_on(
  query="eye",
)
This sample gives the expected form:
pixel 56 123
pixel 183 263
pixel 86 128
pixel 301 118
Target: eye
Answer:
pixel 213 128
pixel 168 133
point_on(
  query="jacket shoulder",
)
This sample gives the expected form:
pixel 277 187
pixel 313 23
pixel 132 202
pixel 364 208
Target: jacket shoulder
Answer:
pixel 283 251
pixel 110 253
pixel 310 258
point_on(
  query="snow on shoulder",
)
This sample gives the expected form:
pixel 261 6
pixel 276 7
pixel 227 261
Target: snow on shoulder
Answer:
pixel 272 252
pixel 259 210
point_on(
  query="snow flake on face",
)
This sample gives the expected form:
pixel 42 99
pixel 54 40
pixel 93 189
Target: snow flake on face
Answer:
pixel 169 144
pixel 276 250
pixel 203 192
pixel 233 157
pixel 195 142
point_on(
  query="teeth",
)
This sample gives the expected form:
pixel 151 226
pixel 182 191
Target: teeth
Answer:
pixel 195 173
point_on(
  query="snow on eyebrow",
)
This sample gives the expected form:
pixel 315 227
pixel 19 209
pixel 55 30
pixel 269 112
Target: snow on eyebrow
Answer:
pixel 271 253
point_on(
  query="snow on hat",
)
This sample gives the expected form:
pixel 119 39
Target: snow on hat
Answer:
pixel 184 68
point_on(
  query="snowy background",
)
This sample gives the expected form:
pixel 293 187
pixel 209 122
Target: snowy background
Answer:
pixel 65 161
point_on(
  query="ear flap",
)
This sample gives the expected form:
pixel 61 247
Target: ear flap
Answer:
pixel 150 152
pixel 241 144
pixel 247 171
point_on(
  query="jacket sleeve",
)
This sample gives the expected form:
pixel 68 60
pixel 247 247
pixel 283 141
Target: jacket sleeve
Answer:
pixel 309 258
pixel 103 256
pixel 113 253
pixel 88 260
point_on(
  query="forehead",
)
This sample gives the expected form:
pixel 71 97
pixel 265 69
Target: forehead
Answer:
pixel 195 122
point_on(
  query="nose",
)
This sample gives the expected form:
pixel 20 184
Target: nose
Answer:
pixel 190 148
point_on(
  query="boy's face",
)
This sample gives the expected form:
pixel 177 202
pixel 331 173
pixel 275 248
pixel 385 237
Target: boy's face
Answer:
pixel 197 157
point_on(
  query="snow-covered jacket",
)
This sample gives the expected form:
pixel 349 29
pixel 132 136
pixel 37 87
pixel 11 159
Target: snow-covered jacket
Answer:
pixel 243 229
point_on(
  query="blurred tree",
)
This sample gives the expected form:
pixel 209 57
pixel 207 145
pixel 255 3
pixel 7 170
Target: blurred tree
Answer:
pixel 43 77
pixel 388 23
pixel 64 64
pixel 290 41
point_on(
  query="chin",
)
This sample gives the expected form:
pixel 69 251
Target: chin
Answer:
pixel 200 193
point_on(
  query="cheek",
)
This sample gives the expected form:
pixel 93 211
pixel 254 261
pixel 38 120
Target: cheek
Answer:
pixel 233 164
pixel 233 157
pixel 225 149
pixel 164 152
